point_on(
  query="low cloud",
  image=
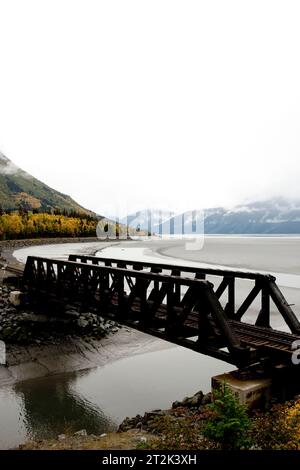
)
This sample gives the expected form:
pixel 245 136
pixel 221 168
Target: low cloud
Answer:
pixel 7 167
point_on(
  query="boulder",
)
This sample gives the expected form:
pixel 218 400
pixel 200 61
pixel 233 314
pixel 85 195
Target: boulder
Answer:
pixel 190 402
pixel 72 314
pixel 207 399
pixel 81 433
pixel 15 298
pixel 32 317
pixel 82 322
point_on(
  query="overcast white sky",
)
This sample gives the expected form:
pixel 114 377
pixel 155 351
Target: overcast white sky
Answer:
pixel 176 104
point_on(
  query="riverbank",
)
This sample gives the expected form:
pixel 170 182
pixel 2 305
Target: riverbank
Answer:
pixel 71 353
pixel 15 244
pixel 140 432
pixel 7 247
pixel 196 423
pixel 38 345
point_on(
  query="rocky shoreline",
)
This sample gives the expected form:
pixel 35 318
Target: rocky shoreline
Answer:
pixel 29 335
pixel 39 344
pixel 21 326
pixel 195 423
pixel 23 243
pixel 186 407
pixel 138 432
pixel 18 325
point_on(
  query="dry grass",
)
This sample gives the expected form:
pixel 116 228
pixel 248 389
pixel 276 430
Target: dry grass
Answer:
pixel 112 441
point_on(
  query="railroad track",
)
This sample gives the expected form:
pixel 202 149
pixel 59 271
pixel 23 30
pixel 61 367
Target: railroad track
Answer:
pixel 264 337
pixel 249 335
pixel 255 336
pixel 13 269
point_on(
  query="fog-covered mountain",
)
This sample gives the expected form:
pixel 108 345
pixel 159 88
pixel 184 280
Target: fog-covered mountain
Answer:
pixel 272 216
pixel 145 219
pixel 18 188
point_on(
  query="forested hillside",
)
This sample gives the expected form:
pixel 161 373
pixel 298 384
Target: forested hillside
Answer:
pixel 18 225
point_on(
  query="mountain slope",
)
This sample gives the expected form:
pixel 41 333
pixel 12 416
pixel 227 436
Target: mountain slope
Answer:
pixel 145 219
pixel 18 188
pixel 272 216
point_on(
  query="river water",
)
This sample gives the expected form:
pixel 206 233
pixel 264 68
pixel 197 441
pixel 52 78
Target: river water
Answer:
pixel 98 399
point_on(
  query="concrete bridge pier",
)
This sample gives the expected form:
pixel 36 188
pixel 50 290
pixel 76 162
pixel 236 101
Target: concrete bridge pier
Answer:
pixel 257 391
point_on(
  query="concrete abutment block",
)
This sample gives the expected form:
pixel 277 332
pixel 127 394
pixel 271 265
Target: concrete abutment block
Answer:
pixel 254 393
pixel 16 298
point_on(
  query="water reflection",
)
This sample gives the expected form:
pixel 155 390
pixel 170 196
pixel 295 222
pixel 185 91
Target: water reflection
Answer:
pixel 51 406
pixel 99 399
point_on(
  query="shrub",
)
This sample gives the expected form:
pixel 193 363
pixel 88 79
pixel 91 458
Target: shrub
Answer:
pixel 229 424
pixel 178 433
pixel 279 428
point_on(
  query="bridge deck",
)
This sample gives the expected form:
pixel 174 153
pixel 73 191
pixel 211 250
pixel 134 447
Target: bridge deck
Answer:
pixel 259 338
